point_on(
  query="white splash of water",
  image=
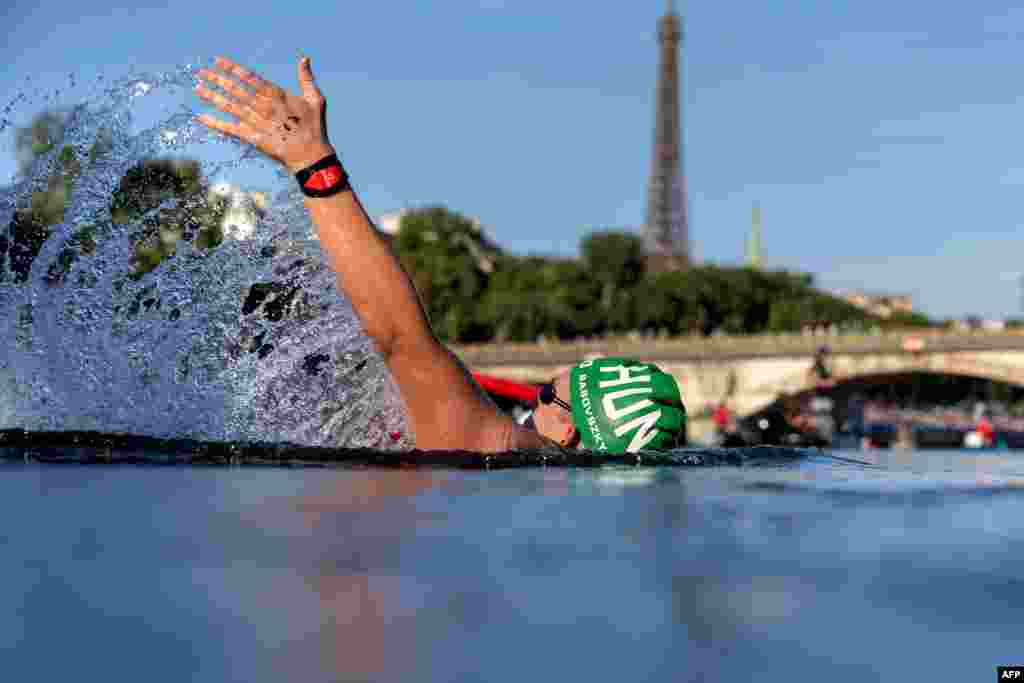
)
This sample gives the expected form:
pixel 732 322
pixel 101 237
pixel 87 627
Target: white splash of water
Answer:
pixel 173 353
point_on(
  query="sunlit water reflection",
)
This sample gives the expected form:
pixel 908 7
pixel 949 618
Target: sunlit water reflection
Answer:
pixel 904 564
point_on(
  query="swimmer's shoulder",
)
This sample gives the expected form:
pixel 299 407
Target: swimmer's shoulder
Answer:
pixel 522 438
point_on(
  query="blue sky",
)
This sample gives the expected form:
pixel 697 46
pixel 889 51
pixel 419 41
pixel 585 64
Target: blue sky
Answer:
pixel 882 140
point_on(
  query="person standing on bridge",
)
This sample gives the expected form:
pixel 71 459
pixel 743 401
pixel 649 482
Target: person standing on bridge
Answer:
pixel 819 372
pixel 614 404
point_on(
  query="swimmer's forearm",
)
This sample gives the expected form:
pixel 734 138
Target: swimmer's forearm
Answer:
pixel 368 272
pixel 446 408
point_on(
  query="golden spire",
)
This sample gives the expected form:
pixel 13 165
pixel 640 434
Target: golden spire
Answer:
pixel 754 257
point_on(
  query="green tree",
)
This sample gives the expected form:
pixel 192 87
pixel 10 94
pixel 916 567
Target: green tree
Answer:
pixel 449 260
pixel 707 298
pixel 142 189
pixel 197 217
pixel 661 303
pixel 903 319
pixel 531 296
pixel 614 259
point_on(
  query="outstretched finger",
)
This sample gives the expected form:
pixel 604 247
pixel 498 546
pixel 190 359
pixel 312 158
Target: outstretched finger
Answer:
pixel 242 111
pixel 235 130
pixel 261 85
pixel 307 81
pixel 230 87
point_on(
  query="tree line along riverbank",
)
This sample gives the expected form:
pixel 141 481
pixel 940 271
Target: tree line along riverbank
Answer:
pixel 474 291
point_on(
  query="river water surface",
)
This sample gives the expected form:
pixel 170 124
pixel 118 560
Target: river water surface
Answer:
pixel 746 565
pixel 809 566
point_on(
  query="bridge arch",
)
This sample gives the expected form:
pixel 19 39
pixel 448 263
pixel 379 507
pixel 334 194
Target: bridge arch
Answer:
pixel 852 368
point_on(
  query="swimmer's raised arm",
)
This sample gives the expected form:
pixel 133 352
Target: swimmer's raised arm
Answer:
pixel 446 407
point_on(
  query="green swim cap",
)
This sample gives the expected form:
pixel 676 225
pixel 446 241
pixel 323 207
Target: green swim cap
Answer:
pixel 621 405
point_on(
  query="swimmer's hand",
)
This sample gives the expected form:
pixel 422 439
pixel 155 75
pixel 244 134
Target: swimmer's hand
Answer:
pixel 290 129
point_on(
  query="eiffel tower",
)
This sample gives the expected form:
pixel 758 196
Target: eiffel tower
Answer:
pixel 666 235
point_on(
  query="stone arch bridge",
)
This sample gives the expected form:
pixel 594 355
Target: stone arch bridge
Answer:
pixel 754 371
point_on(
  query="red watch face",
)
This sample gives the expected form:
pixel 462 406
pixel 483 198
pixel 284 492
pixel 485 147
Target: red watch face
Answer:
pixel 324 178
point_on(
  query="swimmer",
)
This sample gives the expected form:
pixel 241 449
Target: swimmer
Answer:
pixel 611 405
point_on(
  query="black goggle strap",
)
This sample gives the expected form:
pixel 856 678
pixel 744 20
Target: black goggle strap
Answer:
pixel 547 395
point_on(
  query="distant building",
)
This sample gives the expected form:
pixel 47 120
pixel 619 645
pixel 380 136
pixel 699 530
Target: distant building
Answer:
pixel 666 232
pixel 390 223
pixel 974 323
pixel 881 305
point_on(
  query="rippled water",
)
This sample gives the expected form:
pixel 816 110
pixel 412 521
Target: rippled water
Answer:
pixel 787 566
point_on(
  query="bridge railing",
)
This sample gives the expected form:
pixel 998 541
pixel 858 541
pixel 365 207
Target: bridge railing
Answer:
pixel 725 346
